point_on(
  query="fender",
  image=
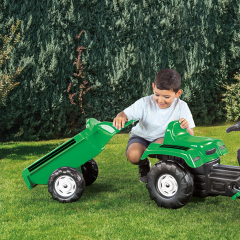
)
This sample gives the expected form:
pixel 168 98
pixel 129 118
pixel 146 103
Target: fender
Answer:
pixel 190 155
pixel 194 150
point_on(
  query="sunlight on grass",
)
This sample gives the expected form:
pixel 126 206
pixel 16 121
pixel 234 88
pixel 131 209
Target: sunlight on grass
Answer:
pixel 115 206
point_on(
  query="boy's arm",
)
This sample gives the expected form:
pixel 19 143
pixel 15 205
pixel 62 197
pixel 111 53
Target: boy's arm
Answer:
pixel 135 111
pixel 120 120
pixel 190 131
pixel 186 113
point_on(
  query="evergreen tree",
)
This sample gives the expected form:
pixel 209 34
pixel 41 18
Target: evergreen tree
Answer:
pixel 127 42
pixel 7 81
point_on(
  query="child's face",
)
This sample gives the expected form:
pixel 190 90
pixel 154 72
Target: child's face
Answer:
pixel 164 98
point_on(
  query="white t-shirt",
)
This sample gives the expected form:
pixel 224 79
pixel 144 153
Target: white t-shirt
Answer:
pixel 153 120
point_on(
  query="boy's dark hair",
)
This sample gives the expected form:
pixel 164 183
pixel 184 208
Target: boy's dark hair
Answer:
pixel 168 79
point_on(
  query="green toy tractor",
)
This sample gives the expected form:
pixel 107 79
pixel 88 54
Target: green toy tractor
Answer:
pixel 188 166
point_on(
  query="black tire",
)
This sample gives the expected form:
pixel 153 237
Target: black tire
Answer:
pixel 169 184
pixel 66 185
pixel 90 171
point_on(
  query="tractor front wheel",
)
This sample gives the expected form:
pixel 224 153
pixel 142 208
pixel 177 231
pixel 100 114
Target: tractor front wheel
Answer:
pixel 66 184
pixel 169 184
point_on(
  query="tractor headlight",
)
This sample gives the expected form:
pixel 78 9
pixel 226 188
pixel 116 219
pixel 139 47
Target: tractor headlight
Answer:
pixel 222 147
pixel 211 151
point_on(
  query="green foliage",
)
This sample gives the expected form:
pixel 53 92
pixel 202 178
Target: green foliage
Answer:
pixel 232 99
pixel 40 108
pixel 127 43
pixel 7 81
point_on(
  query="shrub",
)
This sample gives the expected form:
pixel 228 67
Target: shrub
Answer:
pixel 7 81
pixel 232 99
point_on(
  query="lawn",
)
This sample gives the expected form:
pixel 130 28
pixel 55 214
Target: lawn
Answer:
pixel 115 206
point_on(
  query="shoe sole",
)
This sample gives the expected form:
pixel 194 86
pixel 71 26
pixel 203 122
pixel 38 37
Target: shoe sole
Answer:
pixel 145 180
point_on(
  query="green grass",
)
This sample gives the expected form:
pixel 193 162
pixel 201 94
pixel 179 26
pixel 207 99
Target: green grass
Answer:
pixel 115 206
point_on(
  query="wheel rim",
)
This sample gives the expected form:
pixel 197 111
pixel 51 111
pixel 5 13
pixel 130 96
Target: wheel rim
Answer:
pixel 167 185
pixel 65 185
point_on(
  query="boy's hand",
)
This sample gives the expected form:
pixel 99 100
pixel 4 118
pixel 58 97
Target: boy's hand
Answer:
pixel 184 123
pixel 120 120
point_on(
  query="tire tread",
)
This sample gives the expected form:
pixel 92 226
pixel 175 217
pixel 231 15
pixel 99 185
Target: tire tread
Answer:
pixel 185 183
pixel 75 174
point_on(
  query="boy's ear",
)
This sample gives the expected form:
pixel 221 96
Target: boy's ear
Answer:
pixel 153 86
pixel 178 93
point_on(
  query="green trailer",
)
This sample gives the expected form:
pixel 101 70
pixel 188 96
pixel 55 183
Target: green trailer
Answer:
pixel 70 167
pixel 186 166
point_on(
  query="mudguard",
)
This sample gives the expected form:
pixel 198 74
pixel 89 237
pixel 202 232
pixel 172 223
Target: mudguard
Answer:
pixel 193 149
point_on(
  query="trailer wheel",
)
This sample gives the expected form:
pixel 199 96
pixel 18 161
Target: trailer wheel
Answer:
pixel 170 185
pixel 66 184
pixel 90 171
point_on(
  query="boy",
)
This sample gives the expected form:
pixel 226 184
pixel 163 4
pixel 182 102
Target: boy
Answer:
pixel 154 113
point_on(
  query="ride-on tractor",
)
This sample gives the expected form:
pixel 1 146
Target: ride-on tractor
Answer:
pixel 187 166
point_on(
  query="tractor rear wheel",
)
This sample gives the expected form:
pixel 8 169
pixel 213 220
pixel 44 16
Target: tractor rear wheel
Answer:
pixel 169 184
pixel 66 184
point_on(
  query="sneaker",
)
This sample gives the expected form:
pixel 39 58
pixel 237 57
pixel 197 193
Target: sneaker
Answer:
pixel 143 171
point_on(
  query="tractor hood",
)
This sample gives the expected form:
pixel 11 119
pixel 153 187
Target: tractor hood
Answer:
pixel 177 136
